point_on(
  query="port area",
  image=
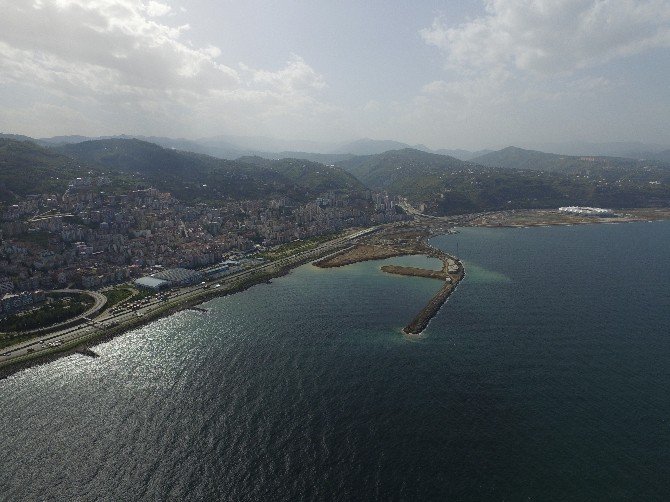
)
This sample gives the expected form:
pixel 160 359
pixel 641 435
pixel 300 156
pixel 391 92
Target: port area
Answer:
pixel 451 280
pixel 400 240
pixel 451 274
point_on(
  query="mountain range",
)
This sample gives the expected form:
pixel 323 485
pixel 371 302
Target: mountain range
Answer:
pixel 508 178
pixel 232 147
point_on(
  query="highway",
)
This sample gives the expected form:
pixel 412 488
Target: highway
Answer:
pixel 134 311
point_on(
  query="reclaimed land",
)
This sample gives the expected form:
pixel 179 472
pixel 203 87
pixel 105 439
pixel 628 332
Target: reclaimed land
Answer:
pixel 406 239
pixel 415 272
pixel 399 239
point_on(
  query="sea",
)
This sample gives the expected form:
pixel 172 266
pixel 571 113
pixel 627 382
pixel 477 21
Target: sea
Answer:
pixel 545 376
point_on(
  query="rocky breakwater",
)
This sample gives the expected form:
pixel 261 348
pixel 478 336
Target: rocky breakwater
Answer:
pixel 406 239
pixel 451 274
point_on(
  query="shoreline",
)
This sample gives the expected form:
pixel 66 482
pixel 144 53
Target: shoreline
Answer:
pixel 329 255
pixel 404 240
pixel 89 340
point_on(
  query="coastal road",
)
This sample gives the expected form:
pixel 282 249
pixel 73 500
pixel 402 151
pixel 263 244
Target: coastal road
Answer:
pixel 128 315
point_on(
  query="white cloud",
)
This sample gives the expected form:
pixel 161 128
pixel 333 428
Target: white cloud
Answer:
pixel 157 9
pixel 106 45
pixel 121 59
pixel 552 36
pixel 296 76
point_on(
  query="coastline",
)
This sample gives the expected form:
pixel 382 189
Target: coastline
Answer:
pixel 401 241
pixel 378 242
pixel 87 341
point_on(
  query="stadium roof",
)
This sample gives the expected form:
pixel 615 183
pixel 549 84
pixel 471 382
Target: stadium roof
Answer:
pixel 178 275
pixel 151 282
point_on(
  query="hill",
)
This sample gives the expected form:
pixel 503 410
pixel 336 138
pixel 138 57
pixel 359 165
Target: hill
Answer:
pixel 188 176
pixel 313 176
pixel 662 156
pixel 462 154
pixel 27 168
pixel 518 158
pixel 321 158
pixel 16 137
pixel 369 147
pixel 406 171
pixel 191 176
pixel 448 186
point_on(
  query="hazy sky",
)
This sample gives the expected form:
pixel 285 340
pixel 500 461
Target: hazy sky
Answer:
pixel 467 74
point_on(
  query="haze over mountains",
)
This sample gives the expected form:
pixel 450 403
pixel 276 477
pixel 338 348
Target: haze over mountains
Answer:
pixel 505 179
pixel 233 147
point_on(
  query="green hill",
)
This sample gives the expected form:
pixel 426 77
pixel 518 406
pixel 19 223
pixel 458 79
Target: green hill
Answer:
pixel 518 158
pixel 313 176
pixel 405 172
pixel 26 168
pixel 448 186
pixel 192 176
pixel 186 175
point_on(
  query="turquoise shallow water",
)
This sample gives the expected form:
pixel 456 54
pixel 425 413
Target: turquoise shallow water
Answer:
pixel 544 377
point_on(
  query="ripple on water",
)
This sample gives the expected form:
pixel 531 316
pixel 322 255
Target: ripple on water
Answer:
pixel 527 387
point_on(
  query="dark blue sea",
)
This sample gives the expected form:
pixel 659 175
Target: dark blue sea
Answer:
pixel 546 376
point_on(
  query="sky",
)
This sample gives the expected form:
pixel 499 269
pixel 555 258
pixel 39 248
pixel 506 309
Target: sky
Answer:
pixel 467 74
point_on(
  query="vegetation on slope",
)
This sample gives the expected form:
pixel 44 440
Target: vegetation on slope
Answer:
pixel 27 168
pixel 310 175
pixel 404 171
pixel 518 158
pixel 449 186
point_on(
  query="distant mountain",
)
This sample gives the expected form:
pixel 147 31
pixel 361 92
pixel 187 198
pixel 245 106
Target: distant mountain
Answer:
pixel 662 156
pixel 369 147
pixel 191 176
pixel 462 154
pixel 605 149
pixel 186 175
pixel 16 137
pixel 262 144
pixel 322 158
pixel 311 175
pixel 63 140
pixel 447 185
pixel 518 158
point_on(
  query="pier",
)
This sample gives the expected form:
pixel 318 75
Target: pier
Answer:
pixel 452 273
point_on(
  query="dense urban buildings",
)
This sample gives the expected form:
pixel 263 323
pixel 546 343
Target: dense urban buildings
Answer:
pixel 88 238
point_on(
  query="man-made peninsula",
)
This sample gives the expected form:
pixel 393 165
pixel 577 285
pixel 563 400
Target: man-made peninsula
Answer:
pixel 406 239
pixel 351 246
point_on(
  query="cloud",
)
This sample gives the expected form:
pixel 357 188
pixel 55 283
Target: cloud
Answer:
pixel 297 75
pixel 552 36
pixel 122 59
pixel 157 9
pixel 108 46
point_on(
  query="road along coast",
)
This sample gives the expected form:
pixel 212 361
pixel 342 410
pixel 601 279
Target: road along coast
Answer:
pixel 379 242
pixel 107 325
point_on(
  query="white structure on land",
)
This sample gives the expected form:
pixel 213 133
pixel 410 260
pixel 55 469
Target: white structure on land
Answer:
pixel 151 283
pixel 586 211
pixel 168 278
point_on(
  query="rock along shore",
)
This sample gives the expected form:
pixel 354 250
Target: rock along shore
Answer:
pixel 406 239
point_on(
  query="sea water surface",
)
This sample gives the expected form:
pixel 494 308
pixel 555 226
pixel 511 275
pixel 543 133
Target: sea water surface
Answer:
pixel 544 377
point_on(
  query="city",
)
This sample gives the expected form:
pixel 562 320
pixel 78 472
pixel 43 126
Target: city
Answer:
pixel 87 239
